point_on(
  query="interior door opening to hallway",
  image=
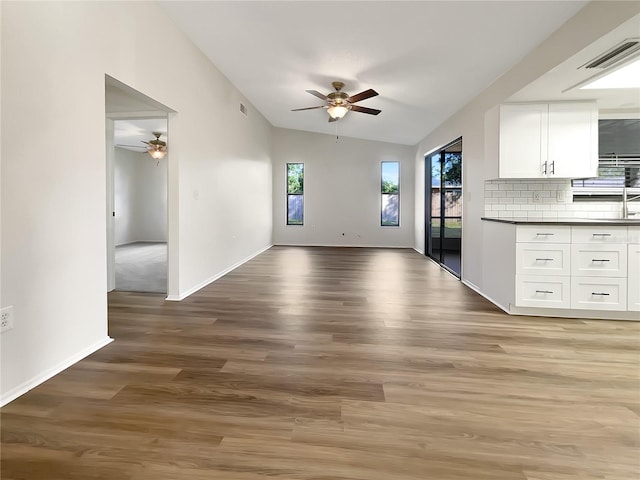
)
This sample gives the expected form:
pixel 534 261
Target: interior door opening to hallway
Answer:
pixel 138 192
pixel 443 209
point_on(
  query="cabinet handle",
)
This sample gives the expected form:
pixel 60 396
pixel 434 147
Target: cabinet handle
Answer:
pixel 600 260
pixel 553 167
pixel 544 259
pixel 601 234
pixel 546 234
pixel 600 294
pixel 547 291
pixel 544 168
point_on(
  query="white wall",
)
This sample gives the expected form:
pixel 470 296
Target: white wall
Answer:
pixel 53 268
pixel 596 19
pixel 140 197
pixel 341 190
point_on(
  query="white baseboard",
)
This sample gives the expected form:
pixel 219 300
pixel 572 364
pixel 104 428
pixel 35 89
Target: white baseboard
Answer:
pixel 331 245
pixel 476 289
pixel 418 250
pixel 14 393
pixel 191 291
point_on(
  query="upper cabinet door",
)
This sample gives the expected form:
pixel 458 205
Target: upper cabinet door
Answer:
pixel 542 140
pixel 573 140
pixel 523 140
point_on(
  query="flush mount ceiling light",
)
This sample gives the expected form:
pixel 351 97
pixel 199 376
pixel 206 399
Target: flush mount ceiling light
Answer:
pixel 157 148
pixel 627 76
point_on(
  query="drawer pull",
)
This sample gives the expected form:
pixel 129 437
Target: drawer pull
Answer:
pixel 546 291
pixel 601 234
pixel 544 234
pixel 544 259
pixel 600 260
pixel 600 294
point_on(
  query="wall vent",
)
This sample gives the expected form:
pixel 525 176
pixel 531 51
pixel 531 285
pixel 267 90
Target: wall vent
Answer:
pixel 615 54
pixel 243 109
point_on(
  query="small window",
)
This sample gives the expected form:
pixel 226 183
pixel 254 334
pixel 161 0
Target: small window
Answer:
pixel 295 193
pixel 390 190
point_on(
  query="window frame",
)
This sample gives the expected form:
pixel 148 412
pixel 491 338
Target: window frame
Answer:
pixel 288 195
pixel 383 194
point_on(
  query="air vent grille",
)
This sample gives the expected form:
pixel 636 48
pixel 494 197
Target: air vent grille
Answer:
pixel 614 55
pixel 243 109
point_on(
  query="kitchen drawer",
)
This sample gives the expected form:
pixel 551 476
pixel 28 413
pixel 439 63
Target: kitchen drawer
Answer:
pixel 543 234
pixel 546 291
pixel 633 235
pixel 543 259
pixel 588 293
pixel 599 260
pixel 598 236
pixel 633 282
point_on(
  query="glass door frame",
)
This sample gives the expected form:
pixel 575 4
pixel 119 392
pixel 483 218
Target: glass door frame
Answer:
pixel 443 217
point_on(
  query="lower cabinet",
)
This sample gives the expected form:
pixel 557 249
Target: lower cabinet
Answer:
pixel 578 267
pixel 633 279
pixel 545 291
pixel 591 293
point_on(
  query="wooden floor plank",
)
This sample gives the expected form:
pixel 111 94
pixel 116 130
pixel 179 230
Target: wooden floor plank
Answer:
pixel 335 364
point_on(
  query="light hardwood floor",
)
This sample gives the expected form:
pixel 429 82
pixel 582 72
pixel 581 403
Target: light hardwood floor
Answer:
pixel 326 364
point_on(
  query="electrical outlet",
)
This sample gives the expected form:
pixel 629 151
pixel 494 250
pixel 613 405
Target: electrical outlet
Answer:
pixel 536 197
pixel 6 319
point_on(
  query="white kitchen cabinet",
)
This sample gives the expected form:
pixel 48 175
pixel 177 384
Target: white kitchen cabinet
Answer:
pixel 543 234
pixel 543 291
pixel 591 293
pixel 543 266
pixel 545 259
pixel 583 271
pixel 543 140
pixel 572 140
pixel 599 260
pixel 633 280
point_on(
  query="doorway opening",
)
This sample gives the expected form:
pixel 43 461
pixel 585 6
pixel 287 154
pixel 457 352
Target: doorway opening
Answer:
pixel 140 207
pixel 443 209
pixel 138 249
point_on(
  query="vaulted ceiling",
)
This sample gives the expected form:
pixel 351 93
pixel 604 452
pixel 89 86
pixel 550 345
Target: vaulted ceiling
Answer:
pixel 426 59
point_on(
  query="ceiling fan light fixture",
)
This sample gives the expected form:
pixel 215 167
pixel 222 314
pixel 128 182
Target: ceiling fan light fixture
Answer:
pixel 157 152
pixel 337 111
pixel 157 148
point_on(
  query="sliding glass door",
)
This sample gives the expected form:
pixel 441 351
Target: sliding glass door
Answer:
pixel 443 210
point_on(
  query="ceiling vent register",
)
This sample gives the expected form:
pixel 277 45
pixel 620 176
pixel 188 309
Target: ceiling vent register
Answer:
pixel 615 54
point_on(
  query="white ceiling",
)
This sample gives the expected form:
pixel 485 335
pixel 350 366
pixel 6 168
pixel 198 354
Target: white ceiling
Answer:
pixel 135 116
pixel 130 133
pixel 426 59
pixel 557 83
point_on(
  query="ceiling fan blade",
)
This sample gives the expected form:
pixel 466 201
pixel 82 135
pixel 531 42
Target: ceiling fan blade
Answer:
pixel 308 108
pixel 316 93
pixel 331 119
pixel 362 96
pixel 370 111
pixel 131 146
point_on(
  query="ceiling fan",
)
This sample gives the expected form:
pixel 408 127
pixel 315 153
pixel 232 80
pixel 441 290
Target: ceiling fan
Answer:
pixel 156 148
pixel 338 103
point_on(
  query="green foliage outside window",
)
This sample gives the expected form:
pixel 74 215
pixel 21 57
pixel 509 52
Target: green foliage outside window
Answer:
pixel 389 187
pixel 295 178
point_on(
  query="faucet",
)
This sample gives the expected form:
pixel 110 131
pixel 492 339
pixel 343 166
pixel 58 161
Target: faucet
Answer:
pixel 625 203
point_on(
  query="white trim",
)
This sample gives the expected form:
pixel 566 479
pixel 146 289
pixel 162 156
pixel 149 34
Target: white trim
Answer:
pixel 575 313
pixel 418 250
pixel 191 291
pixel 476 289
pixel 14 393
pixel 341 245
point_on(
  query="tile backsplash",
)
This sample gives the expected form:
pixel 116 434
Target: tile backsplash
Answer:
pixel 543 199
